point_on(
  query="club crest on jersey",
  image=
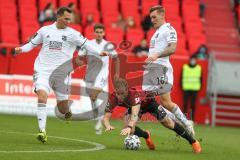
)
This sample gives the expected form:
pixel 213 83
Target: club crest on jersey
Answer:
pixel 64 38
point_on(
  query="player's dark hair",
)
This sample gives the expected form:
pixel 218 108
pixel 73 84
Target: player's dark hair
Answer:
pixel 98 26
pixel 158 8
pixel 120 83
pixel 61 10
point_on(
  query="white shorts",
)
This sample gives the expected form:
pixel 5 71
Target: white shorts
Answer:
pixel 60 84
pixel 158 79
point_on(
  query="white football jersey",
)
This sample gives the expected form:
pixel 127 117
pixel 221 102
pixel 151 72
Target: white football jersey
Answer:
pixel 58 46
pixel 161 38
pixel 97 65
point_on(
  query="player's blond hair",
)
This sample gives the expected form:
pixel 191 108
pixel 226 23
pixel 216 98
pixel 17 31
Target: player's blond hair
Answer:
pixel 158 8
pixel 120 83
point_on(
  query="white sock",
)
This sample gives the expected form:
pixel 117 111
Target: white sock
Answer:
pixel 42 116
pixel 180 116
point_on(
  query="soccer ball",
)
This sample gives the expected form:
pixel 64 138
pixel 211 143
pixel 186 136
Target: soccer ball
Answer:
pixel 132 142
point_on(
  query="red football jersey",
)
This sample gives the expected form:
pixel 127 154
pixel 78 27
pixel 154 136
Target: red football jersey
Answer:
pixel 134 97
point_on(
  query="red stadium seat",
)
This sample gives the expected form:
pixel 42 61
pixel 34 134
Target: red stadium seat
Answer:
pixel 94 13
pixel 181 44
pixel 23 63
pixel 166 2
pixel 182 52
pixel 146 5
pixel 10 32
pixel 66 2
pixel 150 34
pixel 6 14
pixel 27 2
pixel 190 11
pixel 28 13
pixel 114 35
pixel 135 36
pixel 129 8
pixel 8 10
pixel 88 5
pixel 195 41
pixel 172 10
pixel 176 22
pixel 191 2
pixel 109 18
pixel 4 64
pixel 43 3
pixel 89 32
pixel 76 27
pixel 192 27
pixel 109 6
pixel 28 30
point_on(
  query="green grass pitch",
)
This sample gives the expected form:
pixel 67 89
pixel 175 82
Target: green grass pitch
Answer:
pixel 68 142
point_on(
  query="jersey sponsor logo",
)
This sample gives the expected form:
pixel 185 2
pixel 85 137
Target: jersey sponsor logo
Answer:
pixel 55 45
pixel 64 38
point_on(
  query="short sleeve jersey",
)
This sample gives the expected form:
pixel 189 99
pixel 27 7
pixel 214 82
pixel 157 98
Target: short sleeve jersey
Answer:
pixel 58 46
pixel 134 97
pixel 164 35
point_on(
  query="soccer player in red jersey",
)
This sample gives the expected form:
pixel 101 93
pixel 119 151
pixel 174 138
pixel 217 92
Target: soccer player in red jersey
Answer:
pixel 137 103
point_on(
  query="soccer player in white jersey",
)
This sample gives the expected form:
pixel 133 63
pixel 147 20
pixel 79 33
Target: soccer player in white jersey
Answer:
pixel 98 71
pixel 58 45
pixel 158 74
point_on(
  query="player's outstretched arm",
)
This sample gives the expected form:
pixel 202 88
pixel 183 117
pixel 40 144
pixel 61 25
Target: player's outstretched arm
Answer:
pixel 117 67
pixel 132 122
pixel 35 40
pixel 106 121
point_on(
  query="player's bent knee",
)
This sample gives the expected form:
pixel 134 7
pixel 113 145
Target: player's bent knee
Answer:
pixel 42 97
pixel 167 122
pixel 63 106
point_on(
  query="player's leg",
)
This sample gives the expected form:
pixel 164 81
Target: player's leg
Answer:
pixel 42 115
pixel 174 108
pixel 193 102
pixel 93 96
pixel 99 97
pixel 42 89
pixel 62 90
pixel 63 110
pixel 185 101
pixel 167 122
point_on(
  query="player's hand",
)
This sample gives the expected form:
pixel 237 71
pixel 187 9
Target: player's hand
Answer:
pixel 104 53
pixel 126 131
pixel 109 128
pixel 17 51
pixel 151 58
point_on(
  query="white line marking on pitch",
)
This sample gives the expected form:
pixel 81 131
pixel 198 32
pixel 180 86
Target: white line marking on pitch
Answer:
pixel 98 146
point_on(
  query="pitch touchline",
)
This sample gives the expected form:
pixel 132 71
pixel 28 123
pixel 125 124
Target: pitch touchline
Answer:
pixel 98 146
